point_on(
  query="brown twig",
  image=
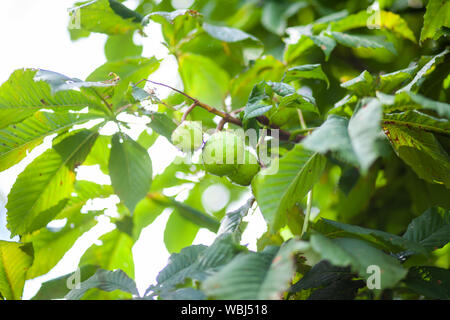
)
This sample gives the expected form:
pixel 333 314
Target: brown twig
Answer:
pixel 188 111
pixel 226 117
pixel 221 124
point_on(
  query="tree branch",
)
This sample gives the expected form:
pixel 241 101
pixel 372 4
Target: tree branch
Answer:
pixel 283 134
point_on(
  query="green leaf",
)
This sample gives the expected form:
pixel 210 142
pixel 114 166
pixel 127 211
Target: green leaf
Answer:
pixel 363 41
pixel 362 85
pixel 106 16
pixel 129 70
pixel 162 124
pixel 325 43
pixel 254 276
pixel 183 294
pixel 359 255
pixel 321 274
pixel 275 15
pixel 118 47
pixel 176 25
pixel 17 140
pixel 307 71
pixel 264 69
pixel 391 81
pixel 57 288
pixel 432 282
pixel 286 182
pixel 106 281
pixel 422 151
pixel 51 245
pixel 383 240
pixel 252 47
pixel 436 17
pixel 84 191
pixel 175 226
pixel 100 153
pixel 378 19
pixel 60 82
pixel 114 252
pixel 232 222
pixel 365 133
pixel 431 229
pixel 406 100
pixel 417 120
pixel 43 188
pixel 196 263
pixel 130 169
pixel 425 71
pixel 203 79
pixel 259 101
pixel 333 136
pixel 21 96
pixel 15 260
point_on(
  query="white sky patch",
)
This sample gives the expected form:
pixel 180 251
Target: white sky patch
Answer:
pixel 93 174
pixel 215 197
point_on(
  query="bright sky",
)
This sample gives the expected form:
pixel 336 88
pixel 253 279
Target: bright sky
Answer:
pixel 35 35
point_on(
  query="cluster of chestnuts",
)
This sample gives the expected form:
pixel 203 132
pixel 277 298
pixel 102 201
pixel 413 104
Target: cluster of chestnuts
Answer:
pixel 223 154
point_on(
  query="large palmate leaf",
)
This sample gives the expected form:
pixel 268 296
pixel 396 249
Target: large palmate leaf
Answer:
pixel 105 16
pixel 107 281
pixel 203 79
pixel 130 169
pixel 436 17
pixel 431 229
pixel 15 260
pixel 18 139
pixel 286 182
pixel 21 96
pixel 255 276
pixel 45 186
pixel 422 151
pixel 51 245
pixel 359 255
